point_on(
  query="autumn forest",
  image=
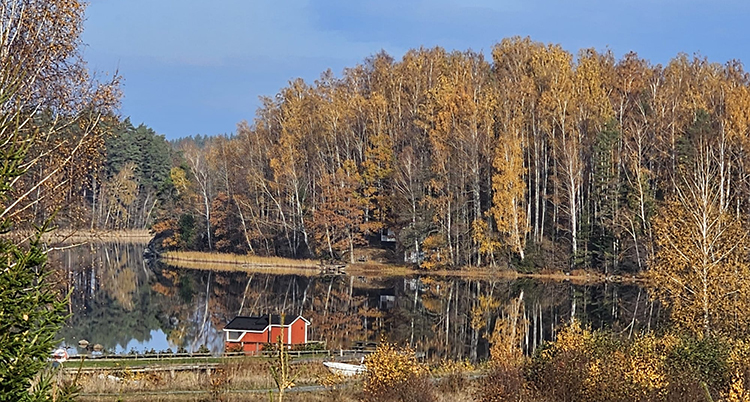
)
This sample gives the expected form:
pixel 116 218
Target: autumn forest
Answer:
pixel 444 177
pixel 537 158
pixel 462 165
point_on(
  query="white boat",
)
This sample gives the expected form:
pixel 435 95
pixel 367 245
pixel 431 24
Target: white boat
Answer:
pixel 345 369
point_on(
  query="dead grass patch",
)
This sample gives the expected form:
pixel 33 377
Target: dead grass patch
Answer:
pixel 67 236
pixel 236 262
pixel 234 377
pixel 278 265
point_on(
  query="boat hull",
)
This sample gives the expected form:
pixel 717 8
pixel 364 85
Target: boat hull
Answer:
pixel 345 369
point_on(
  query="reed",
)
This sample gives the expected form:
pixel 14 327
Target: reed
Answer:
pixel 68 236
pixel 284 266
pixel 235 262
pixel 237 259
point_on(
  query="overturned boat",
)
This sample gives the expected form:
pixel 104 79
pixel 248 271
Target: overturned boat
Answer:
pixel 345 369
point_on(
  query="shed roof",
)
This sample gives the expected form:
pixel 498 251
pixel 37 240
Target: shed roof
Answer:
pixel 259 323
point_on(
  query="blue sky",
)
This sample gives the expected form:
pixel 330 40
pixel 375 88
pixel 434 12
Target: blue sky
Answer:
pixel 198 67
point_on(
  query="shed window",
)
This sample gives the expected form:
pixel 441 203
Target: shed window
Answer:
pixel 234 335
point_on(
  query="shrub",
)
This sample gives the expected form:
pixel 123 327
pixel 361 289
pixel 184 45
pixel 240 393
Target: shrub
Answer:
pixel 235 348
pixel 582 365
pixel 598 366
pixel 739 361
pixel 453 375
pixel 393 374
pixel 697 366
pixel 502 383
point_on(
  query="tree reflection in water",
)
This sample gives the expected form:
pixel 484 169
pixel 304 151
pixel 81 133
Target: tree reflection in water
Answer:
pixel 117 298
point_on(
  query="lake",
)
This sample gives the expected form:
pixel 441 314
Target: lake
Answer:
pixel 126 304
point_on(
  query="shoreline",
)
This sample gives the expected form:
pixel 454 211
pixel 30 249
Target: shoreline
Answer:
pixel 278 265
pixel 74 237
pixel 67 236
pixel 238 263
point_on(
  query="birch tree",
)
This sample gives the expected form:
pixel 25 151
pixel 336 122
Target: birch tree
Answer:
pixel 198 164
pixel 700 267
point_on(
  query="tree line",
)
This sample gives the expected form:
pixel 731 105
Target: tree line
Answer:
pixel 535 158
pixel 532 158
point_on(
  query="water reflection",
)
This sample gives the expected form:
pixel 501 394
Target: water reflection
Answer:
pixel 122 303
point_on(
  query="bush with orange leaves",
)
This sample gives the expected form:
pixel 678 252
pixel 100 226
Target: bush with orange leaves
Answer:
pixel 596 366
pixel 600 366
pixel 394 374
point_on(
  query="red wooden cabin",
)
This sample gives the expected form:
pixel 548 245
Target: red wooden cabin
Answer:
pixel 251 333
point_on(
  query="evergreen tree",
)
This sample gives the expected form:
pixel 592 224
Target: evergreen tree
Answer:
pixel 31 312
pixel 42 74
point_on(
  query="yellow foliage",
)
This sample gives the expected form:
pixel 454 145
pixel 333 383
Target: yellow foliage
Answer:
pixel 738 391
pixel 179 179
pixel 483 236
pixel 570 338
pixel 598 366
pixel 453 367
pixel 332 381
pixel 485 305
pixel 591 365
pixel 646 359
pixel 435 256
pixel 390 366
pixel 509 191
pixel 739 360
pixel 700 268
pixel 507 334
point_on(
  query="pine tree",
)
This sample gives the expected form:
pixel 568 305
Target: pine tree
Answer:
pixel 42 76
pixel 31 312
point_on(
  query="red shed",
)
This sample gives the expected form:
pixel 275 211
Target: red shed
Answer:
pixel 250 333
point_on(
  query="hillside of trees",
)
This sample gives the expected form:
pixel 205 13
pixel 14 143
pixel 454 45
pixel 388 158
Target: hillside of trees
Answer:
pixel 534 158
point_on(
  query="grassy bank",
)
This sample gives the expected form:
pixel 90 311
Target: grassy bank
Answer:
pixel 274 265
pixel 277 265
pixel 235 262
pixel 69 237
pixel 581 365
pixel 238 379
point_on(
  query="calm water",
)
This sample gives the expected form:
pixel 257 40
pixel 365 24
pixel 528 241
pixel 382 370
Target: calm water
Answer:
pixel 125 304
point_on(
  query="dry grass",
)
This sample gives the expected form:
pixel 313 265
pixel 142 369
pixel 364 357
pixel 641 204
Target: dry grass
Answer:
pixel 68 237
pixel 247 379
pixel 238 377
pixel 235 262
pixel 237 259
pixel 278 265
pixel 349 396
